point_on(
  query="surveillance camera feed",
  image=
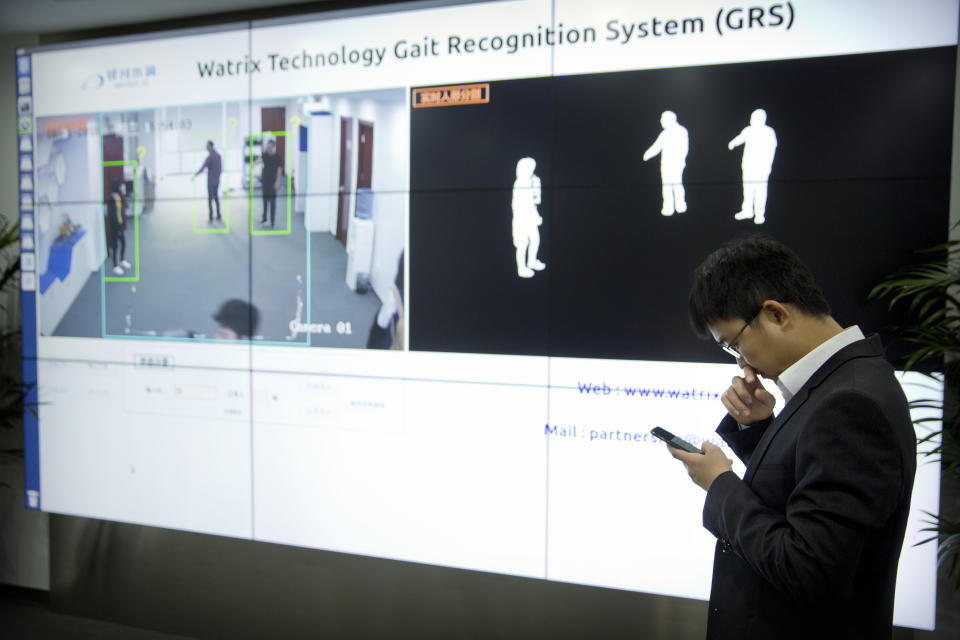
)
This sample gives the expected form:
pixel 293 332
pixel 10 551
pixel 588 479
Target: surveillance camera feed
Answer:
pixel 413 285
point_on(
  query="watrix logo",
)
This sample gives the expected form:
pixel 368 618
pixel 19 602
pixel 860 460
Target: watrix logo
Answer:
pixel 120 78
pixel 93 81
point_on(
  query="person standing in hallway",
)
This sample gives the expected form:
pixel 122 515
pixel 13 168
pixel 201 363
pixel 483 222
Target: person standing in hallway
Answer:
pixel 116 226
pixel 270 180
pixel 214 165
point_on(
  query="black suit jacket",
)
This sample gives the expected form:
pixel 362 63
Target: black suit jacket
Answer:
pixel 809 539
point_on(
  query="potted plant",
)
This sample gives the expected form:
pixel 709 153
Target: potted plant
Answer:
pixel 12 389
pixel 931 292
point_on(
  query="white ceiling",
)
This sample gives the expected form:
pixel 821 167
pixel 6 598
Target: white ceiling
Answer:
pixel 55 16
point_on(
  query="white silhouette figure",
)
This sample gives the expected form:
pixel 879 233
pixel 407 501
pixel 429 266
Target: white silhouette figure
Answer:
pixel 526 218
pixel 759 146
pixel 672 144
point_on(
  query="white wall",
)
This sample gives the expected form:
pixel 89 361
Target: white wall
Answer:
pixel 68 184
pixel 391 179
pixel 324 168
pixel 387 111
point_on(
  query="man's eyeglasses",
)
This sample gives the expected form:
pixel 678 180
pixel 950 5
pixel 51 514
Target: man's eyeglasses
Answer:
pixel 731 347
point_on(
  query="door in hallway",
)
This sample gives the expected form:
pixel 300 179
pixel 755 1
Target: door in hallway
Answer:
pixel 346 168
pixel 274 119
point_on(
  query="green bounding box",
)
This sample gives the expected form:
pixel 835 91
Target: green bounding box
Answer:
pixel 226 195
pixel 136 228
pixel 269 232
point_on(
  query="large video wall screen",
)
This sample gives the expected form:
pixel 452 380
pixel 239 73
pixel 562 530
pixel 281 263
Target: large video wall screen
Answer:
pixel 410 282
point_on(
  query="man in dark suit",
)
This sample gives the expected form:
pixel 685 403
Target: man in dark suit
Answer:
pixel 809 540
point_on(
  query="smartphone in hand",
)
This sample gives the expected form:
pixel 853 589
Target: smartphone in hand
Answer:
pixel 674 441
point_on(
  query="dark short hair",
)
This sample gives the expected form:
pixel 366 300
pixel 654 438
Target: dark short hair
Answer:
pixel 240 316
pixel 734 281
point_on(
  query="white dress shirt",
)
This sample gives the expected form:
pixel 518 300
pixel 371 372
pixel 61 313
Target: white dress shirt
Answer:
pixel 797 374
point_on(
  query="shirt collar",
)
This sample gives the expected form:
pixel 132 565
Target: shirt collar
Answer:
pixel 797 374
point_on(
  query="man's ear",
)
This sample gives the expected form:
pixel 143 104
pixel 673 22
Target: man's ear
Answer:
pixel 777 313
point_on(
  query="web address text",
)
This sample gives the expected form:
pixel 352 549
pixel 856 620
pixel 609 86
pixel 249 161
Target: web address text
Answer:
pixel 604 389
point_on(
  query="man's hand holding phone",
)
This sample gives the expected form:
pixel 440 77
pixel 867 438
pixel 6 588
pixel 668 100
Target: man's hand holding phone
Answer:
pixel 703 468
pixel 702 464
pixel 746 400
